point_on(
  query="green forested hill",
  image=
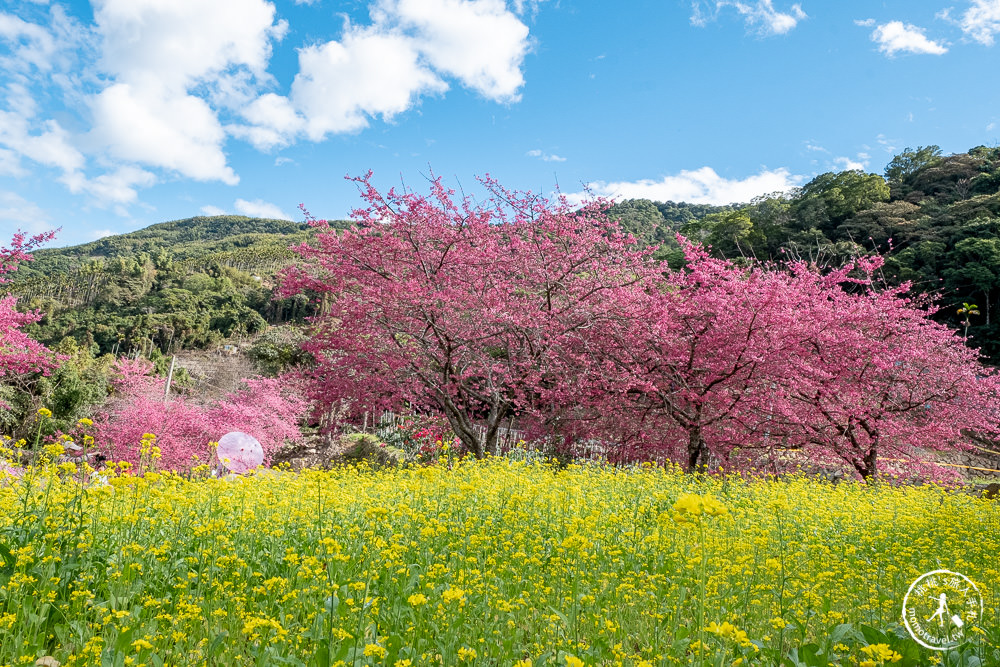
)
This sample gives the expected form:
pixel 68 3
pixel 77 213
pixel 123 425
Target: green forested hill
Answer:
pixel 182 284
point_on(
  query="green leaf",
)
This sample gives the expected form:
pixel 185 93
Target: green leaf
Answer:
pixel 124 641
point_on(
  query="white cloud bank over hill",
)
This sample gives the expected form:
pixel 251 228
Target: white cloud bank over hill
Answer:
pixel 698 186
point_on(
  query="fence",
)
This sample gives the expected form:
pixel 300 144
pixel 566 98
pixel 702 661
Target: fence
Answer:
pixel 507 438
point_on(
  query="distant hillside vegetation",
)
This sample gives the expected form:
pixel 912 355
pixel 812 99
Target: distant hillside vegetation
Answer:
pixel 183 284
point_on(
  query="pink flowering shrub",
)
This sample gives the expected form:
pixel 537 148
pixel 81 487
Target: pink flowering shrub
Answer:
pixel 19 353
pixel 267 409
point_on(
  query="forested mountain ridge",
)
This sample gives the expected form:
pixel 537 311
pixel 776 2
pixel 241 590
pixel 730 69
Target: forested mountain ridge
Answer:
pixel 191 238
pixel 182 284
pixel 935 218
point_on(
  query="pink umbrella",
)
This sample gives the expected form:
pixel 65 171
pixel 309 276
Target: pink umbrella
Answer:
pixel 239 452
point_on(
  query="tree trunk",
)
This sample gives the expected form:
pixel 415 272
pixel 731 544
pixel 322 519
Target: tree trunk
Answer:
pixel 497 414
pixel 696 447
pixel 867 467
pixel 463 427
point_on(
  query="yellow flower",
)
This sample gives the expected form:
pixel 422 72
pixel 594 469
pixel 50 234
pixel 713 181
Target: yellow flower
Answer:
pixel 713 507
pixel 452 594
pixel 417 599
pixel 689 504
pixel 376 651
pixel 44 412
pixel 573 661
pixel 466 653
pixel 881 653
pixel 141 645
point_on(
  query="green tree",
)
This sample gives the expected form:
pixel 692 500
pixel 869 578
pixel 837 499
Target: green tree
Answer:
pixel 831 198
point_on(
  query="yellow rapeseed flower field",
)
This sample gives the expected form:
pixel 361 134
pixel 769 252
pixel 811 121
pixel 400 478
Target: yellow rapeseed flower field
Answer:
pixel 480 563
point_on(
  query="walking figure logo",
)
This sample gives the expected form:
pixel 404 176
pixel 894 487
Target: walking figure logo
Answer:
pixel 939 607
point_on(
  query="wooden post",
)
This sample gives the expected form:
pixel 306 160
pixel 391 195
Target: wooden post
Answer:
pixel 170 376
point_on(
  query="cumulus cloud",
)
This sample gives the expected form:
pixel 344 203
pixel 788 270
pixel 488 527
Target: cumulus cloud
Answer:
pixel 33 45
pixel 341 85
pixel 699 186
pixel 150 78
pixel 158 53
pixel 411 49
pixel 163 85
pixel 896 37
pixel 760 16
pixel 479 43
pixel 183 42
pixel 49 144
pixel 118 187
pixel 144 123
pixel 981 21
pixel 258 208
pixel 213 210
pixel 546 157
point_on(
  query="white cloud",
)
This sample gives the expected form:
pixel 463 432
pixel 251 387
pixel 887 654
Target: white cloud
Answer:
pixel 888 145
pixel 148 125
pixel 480 43
pixel 864 23
pixel 159 53
pixel 18 213
pixel 981 21
pixel 100 234
pixel 546 157
pixel 411 49
pixel 33 44
pixel 273 119
pixel 258 208
pixel 150 77
pixel 117 187
pixel 184 42
pixel 341 84
pixel 213 210
pixel 50 146
pixel 154 86
pixel 896 37
pixel 846 163
pixel 759 15
pixel 699 186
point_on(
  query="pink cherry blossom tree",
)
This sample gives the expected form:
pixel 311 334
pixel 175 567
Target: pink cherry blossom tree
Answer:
pixel 731 360
pixel 528 308
pixel 459 307
pixel 19 353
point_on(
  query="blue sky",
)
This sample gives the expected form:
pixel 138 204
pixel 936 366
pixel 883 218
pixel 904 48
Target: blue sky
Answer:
pixel 117 114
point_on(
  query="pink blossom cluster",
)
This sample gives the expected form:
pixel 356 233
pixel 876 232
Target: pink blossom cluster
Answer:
pixel 19 353
pixel 268 409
